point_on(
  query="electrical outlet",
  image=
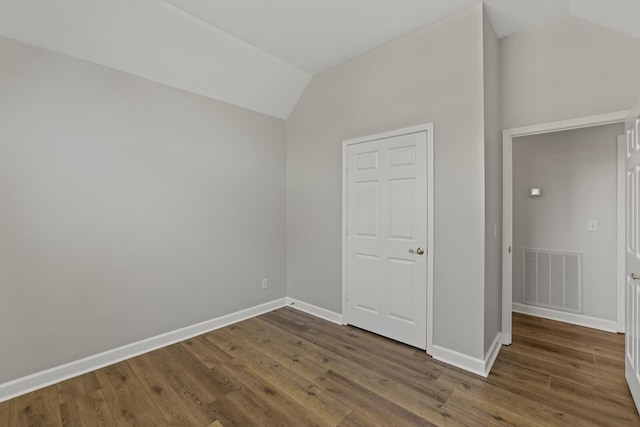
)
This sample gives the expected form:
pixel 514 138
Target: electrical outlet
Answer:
pixel 265 283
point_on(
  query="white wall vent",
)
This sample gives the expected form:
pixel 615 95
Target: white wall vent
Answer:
pixel 553 279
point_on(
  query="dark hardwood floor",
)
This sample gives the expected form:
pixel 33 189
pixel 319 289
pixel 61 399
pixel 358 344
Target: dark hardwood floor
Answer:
pixel 289 368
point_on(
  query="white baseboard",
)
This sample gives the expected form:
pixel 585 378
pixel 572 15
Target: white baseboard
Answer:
pixel 60 373
pixel 506 338
pixel 462 361
pixel 474 365
pixel 322 313
pixel 54 375
pixel 561 316
pixel 491 355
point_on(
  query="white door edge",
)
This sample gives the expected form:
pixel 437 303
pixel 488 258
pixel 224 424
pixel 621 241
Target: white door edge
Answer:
pixel 620 232
pixel 425 127
pixel 507 195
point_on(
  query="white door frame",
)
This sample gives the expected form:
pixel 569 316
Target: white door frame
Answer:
pixel 507 203
pixel 428 128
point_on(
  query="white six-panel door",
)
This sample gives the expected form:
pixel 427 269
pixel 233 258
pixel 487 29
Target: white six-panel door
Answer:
pixel 386 244
pixel 632 341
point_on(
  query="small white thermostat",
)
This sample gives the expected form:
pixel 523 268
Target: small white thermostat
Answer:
pixel 535 192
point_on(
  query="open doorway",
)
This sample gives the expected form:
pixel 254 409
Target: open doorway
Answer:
pixel 561 222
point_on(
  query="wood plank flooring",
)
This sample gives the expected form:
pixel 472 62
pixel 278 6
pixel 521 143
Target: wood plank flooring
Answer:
pixel 291 369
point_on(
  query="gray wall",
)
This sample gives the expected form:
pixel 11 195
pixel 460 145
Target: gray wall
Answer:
pixel 127 209
pixel 433 75
pixel 566 69
pixel 493 189
pixel 577 170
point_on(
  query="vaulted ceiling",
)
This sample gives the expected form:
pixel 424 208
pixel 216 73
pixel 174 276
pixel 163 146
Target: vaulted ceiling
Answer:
pixel 260 54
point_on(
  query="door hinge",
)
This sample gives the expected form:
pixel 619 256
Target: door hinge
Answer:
pixel 509 249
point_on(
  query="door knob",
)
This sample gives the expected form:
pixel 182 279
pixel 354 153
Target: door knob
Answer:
pixel 418 251
pixel 635 276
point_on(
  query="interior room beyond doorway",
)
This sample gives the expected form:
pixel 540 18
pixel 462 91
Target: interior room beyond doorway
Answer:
pixel 565 225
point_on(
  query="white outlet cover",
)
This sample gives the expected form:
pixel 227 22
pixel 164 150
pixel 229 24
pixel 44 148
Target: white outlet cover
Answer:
pixel 592 225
